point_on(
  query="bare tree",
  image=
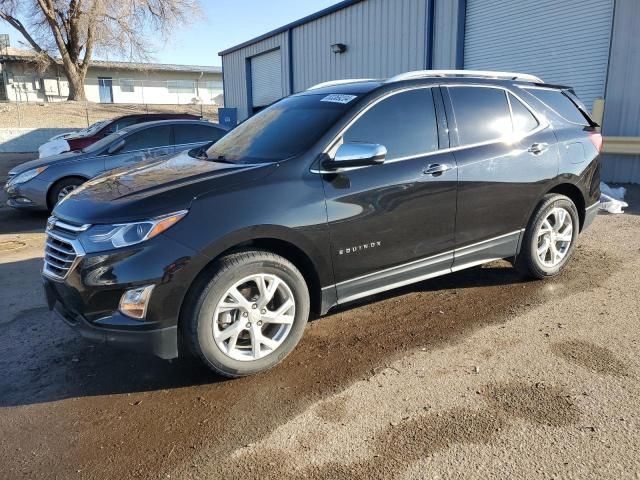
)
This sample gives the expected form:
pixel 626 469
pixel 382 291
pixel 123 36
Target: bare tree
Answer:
pixel 70 32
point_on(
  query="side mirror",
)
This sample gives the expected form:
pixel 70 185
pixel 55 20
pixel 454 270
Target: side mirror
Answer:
pixel 116 147
pixel 356 155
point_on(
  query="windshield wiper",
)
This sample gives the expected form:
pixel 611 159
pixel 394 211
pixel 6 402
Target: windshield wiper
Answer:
pixel 222 159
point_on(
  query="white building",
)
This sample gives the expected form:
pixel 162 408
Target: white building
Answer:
pixel 111 82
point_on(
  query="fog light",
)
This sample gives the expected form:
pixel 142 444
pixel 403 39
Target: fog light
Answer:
pixel 134 302
pixel 23 200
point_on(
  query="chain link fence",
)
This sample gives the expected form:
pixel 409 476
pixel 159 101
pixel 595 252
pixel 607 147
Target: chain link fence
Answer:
pixel 35 102
pixel 83 114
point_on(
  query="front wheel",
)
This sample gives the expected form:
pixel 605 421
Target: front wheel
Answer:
pixel 61 189
pixel 250 315
pixel 550 238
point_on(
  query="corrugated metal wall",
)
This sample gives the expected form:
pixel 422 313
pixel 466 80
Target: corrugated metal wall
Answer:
pixel 234 68
pixel 564 42
pixel 445 37
pixel 622 101
pixel 383 38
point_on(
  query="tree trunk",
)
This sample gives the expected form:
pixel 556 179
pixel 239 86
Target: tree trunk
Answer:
pixel 76 86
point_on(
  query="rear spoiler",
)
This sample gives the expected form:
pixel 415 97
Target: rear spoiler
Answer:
pixel 571 95
pixel 569 92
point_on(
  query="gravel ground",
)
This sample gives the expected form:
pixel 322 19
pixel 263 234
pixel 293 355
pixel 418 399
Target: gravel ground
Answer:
pixel 475 375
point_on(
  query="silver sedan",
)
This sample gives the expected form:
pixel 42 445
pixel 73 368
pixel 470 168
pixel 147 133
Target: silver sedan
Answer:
pixel 41 184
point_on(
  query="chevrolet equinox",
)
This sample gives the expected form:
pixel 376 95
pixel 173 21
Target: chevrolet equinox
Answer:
pixel 333 194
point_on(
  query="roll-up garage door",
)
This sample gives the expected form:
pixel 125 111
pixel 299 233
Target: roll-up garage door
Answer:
pixel 266 78
pixel 564 42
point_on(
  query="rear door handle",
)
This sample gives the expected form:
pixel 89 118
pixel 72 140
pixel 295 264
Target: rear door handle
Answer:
pixel 437 169
pixel 538 148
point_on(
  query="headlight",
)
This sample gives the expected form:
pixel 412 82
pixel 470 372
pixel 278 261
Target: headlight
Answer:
pixel 28 175
pixel 105 237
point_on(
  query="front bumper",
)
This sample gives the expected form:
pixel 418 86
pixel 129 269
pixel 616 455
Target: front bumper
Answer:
pixel 161 342
pixel 31 195
pixel 88 298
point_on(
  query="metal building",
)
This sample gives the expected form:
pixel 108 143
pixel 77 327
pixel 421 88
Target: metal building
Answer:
pixel 587 44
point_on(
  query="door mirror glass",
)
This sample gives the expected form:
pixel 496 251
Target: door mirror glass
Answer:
pixel 116 147
pixel 357 155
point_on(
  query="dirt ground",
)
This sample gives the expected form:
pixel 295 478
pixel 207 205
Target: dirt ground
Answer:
pixel 81 114
pixel 479 374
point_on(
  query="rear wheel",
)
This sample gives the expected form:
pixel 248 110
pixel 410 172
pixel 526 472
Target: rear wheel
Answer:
pixel 250 315
pixel 550 238
pixel 61 189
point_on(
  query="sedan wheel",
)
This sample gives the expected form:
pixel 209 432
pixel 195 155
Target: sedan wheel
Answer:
pixel 66 191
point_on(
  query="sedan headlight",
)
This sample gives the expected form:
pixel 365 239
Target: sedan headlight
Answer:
pixel 106 237
pixel 28 175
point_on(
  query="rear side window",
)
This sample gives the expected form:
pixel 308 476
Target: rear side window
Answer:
pixel 196 134
pixel 523 120
pixel 482 114
pixel 153 137
pixel 561 104
pixel 404 123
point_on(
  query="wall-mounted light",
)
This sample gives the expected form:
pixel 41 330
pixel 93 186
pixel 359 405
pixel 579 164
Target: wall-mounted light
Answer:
pixel 338 48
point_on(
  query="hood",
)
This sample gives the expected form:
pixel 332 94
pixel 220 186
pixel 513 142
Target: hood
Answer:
pixel 41 162
pixel 152 188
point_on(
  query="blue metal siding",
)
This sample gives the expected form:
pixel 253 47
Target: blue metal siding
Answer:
pixel 622 101
pixel 383 38
pixel 564 42
pixel 235 71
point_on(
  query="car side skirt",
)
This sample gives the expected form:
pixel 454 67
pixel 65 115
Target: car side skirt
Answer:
pixel 495 248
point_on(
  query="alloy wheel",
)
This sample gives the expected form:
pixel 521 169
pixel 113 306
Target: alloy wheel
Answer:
pixel 554 237
pixel 254 317
pixel 66 191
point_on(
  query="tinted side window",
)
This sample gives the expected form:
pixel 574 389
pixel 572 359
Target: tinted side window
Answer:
pixel 561 104
pixel 149 138
pixel 120 124
pixel 523 120
pixel 196 133
pixel 404 123
pixel 482 114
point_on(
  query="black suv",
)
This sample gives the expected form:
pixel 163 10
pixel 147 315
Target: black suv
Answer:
pixel 336 193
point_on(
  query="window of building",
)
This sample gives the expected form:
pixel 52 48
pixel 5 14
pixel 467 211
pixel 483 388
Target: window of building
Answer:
pixel 482 114
pixel 181 86
pixel 196 134
pixel 148 138
pixel 560 103
pixel 127 85
pixel 404 123
pixel 523 120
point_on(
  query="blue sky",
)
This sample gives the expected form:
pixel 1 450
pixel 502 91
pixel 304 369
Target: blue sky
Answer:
pixel 227 23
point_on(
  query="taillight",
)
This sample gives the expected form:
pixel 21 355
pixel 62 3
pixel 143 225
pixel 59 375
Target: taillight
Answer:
pixel 596 139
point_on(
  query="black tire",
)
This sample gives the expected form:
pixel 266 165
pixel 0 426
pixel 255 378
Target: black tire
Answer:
pixel 59 186
pixel 527 262
pixel 199 320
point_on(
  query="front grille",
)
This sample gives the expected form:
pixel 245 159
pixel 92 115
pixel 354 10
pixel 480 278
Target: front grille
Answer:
pixel 62 251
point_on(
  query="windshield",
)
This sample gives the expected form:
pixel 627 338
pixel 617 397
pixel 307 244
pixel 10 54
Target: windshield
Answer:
pixel 90 130
pixel 284 130
pixel 103 142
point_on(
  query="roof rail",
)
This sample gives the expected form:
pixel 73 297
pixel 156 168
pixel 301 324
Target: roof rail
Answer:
pixel 465 73
pixel 339 82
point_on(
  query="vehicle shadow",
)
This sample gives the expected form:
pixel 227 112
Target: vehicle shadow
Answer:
pixel 20 221
pixel 44 360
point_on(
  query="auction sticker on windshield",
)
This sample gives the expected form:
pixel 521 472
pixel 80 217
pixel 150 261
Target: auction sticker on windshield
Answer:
pixel 338 98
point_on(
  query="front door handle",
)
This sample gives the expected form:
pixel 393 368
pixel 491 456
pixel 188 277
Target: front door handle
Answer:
pixel 538 148
pixel 437 169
